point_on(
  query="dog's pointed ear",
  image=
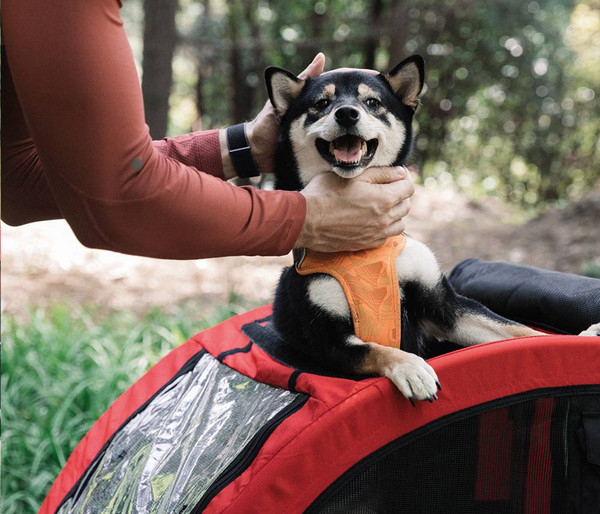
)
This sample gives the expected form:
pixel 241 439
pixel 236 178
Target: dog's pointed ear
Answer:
pixel 406 80
pixel 283 87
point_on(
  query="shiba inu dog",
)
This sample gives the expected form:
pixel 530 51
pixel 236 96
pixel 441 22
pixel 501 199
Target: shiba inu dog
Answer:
pixel 343 122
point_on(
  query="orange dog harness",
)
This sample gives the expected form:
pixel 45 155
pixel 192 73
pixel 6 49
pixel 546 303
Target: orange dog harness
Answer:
pixel 370 282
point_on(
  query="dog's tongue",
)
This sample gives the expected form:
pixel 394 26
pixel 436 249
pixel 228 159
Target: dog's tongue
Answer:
pixel 347 149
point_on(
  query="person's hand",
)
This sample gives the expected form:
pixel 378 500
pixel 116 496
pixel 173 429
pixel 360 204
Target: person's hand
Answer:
pixel 366 70
pixel 263 131
pixel 349 215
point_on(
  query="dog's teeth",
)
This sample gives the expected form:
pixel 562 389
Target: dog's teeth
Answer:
pixel 363 148
pixel 333 150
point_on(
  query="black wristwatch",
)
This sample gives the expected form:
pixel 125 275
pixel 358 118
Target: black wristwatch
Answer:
pixel 239 151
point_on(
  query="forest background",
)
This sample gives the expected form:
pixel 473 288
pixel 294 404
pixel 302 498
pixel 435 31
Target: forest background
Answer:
pixel 506 162
pixel 510 103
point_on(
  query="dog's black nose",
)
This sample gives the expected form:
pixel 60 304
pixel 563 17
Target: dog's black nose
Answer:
pixel 347 116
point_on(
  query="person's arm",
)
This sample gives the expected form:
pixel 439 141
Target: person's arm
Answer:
pixel 83 105
pixel 26 195
pixel 104 175
pixel 202 150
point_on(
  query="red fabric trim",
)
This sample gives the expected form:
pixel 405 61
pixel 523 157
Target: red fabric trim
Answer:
pixel 539 467
pixel 331 437
pixel 494 459
pixel 344 420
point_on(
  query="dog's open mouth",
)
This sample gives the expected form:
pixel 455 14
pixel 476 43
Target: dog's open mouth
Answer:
pixel 347 151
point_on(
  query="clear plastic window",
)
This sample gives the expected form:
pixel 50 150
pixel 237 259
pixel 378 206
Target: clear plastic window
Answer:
pixel 167 456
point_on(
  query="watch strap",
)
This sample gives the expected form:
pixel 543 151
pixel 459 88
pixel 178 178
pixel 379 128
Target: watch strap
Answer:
pixel 239 151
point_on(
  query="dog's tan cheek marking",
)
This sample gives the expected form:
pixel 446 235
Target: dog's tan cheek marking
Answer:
pixel 297 134
pixel 389 147
pixel 315 113
pixel 375 116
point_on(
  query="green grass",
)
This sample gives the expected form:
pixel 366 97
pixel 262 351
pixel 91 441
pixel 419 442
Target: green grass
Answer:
pixel 62 367
pixel 590 269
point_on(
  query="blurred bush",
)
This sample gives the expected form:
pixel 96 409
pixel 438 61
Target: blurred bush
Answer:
pixel 511 103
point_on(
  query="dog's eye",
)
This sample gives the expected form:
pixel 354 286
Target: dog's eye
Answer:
pixel 322 104
pixel 373 102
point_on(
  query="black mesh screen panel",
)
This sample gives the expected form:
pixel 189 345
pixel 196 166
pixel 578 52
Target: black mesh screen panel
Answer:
pixel 499 458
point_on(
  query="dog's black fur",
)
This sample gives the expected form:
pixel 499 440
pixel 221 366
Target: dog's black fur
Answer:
pixel 313 112
pixel 286 172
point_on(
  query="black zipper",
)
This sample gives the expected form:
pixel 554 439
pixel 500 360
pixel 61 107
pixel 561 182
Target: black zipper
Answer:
pixel 248 454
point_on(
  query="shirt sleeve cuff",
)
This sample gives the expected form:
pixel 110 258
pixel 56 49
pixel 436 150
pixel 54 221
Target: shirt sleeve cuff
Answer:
pixel 199 149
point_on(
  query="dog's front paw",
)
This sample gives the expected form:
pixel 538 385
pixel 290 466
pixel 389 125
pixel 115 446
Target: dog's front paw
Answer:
pixel 594 330
pixel 414 377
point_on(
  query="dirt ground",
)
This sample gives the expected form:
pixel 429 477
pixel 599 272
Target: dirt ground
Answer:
pixel 43 263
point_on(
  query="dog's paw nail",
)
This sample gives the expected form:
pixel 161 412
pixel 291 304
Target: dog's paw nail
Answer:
pixel 435 396
pixel 439 386
pixel 430 399
pixel 412 401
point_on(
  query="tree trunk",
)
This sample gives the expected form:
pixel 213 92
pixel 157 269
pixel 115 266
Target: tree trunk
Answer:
pixel 257 53
pixel 374 36
pixel 315 36
pixel 160 37
pixel 397 31
pixel 238 82
pixel 203 64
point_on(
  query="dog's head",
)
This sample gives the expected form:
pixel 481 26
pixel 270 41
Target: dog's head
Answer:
pixel 346 121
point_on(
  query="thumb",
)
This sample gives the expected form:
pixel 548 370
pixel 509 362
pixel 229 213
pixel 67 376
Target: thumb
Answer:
pixel 315 68
pixel 383 175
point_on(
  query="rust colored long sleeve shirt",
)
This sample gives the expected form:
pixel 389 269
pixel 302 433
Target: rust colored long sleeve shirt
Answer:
pixel 75 146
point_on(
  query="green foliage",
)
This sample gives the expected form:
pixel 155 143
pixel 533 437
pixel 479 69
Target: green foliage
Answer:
pixel 590 269
pixel 510 107
pixel 519 120
pixel 61 369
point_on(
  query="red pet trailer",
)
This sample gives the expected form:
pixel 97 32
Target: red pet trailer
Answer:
pixel 235 421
